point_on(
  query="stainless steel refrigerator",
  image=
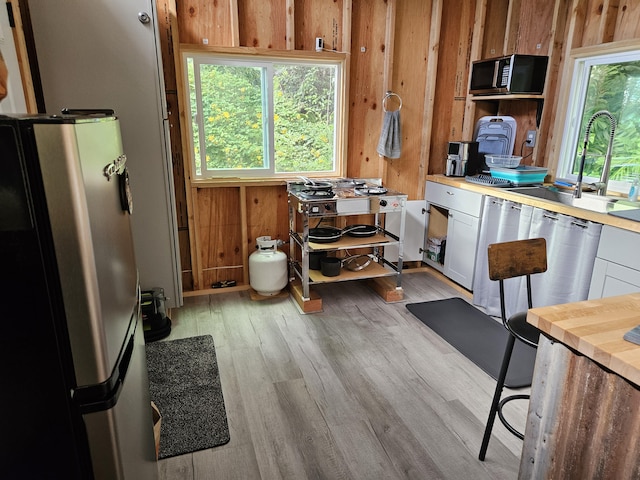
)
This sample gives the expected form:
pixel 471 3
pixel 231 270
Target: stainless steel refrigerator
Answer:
pixel 107 53
pixel 75 399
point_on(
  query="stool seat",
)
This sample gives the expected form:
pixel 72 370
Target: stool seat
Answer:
pixel 518 326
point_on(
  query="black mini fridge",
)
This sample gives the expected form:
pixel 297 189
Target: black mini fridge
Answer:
pixel 75 400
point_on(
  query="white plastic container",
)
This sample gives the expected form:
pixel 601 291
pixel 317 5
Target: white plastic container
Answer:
pixel 268 268
pixel 504 161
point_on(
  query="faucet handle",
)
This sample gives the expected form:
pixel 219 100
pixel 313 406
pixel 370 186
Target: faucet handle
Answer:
pixel 601 188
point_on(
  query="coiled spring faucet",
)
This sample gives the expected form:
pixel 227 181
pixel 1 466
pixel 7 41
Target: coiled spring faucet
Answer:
pixel 601 186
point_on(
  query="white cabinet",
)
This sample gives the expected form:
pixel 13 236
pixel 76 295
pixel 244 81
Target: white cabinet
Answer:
pixel 455 214
pixel 617 267
pixel 462 240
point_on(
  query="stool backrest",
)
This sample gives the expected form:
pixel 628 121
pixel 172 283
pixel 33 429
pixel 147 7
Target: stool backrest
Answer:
pixel 517 258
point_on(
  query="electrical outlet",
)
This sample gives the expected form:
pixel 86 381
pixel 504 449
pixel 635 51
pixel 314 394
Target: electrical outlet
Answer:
pixel 531 138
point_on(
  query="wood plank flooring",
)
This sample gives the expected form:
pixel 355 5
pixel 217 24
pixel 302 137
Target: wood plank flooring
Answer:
pixel 362 390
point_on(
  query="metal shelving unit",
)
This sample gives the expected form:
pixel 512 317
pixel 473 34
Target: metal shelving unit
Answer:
pixel 344 204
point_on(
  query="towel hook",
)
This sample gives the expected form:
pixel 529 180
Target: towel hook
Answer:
pixel 388 95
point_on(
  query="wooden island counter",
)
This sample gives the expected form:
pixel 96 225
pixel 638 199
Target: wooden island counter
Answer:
pixel 584 413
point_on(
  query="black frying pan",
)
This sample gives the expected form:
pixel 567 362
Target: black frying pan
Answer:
pixel 316 186
pixel 324 234
pixel 362 231
pixel 333 234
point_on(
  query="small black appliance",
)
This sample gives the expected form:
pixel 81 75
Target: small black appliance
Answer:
pixel 463 159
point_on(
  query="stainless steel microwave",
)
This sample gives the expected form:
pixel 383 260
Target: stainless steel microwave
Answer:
pixel 523 74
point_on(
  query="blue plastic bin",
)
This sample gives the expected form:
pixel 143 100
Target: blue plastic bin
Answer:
pixel 523 175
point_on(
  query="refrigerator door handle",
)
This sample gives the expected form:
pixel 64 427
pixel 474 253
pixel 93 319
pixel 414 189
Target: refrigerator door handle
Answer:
pixel 118 166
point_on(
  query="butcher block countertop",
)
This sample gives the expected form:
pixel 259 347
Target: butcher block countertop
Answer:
pixel 598 217
pixel 595 328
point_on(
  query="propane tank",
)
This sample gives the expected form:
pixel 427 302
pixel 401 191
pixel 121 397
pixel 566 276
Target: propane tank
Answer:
pixel 267 267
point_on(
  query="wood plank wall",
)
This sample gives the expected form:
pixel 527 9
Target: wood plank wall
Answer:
pixel 419 49
pixel 589 23
pixel 451 81
pixel 587 428
pixel 367 86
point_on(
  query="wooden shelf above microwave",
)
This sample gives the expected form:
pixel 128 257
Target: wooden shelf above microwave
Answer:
pixel 510 96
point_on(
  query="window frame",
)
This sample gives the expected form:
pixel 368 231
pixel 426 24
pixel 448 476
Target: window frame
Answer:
pixel 574 91
pixel 260 57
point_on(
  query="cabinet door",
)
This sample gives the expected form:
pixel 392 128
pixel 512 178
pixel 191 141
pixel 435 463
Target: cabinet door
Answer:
pixel 610 279
pixel 413 235
pixel 460 255
pixel 619 246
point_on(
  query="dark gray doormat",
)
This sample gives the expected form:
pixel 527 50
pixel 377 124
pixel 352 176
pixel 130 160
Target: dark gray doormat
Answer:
pixel 184 383
pixel 478 337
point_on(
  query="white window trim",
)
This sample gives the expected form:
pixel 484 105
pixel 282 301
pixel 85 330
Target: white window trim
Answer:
pixel 580 61
pixel 238 55
pixel 202 59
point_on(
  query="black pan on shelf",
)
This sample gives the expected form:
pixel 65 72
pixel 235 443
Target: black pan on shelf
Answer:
pixel 333 234
pixel 360 231
pixel 324 234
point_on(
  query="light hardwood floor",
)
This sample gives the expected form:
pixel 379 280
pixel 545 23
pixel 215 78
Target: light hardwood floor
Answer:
pixel 362 390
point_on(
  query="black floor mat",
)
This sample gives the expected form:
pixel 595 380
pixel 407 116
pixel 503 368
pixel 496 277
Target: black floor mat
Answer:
pixel 478 337
pixel 184 383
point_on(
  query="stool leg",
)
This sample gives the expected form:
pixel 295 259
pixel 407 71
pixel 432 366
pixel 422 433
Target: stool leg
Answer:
pixel 496 396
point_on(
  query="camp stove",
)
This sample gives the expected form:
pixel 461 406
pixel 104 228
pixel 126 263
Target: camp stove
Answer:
pixel 345 196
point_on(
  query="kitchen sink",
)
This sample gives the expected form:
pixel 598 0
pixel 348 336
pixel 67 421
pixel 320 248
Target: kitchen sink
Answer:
pixel 546 193
pixel 588 201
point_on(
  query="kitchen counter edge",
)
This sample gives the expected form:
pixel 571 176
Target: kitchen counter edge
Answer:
pixel 603 218
pixel 595 329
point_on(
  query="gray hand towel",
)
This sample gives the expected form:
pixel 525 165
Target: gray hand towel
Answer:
pixel 390 142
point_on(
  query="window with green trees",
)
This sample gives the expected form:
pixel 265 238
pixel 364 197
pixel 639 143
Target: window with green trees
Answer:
pixel 608 80
pixel 264 115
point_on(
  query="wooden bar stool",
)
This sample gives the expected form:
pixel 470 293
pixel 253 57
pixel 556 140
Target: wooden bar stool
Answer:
pixel 509 260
